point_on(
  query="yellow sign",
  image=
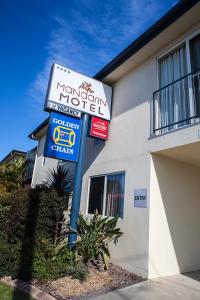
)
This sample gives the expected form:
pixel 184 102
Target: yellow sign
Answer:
pixel 64 136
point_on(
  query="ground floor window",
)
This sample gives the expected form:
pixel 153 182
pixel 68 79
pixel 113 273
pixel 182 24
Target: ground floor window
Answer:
pixel 106 194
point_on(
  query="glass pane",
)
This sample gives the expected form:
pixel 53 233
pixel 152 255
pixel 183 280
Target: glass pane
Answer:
pixel 115 195
pixel 195 65
pixel 173 66
pixel 195 53
pixel 173 101
pixel 96 194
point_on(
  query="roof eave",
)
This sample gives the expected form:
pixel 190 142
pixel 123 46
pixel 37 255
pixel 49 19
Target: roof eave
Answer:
pixel 170 17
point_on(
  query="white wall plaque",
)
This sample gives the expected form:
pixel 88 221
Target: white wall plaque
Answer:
pixel 78 92
pixel 140 198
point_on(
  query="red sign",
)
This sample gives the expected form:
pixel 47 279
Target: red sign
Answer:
pixel 99 128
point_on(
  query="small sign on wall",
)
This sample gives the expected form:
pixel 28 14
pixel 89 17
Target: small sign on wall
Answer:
pixel 140 198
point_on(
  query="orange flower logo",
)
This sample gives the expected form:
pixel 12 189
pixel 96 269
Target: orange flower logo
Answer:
pixel 87 87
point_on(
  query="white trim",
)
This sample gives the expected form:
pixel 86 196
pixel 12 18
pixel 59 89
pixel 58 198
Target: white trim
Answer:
pixel 105 174
pixel 178 44
pixel 105 192
pixel 104 195
pixel 172 49
pixel 88 196
pixel 34 167
pixel 188 59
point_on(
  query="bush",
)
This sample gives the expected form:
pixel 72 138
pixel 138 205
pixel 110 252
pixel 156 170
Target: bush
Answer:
pixel 93 237
pixel 4 212
pixel 4 195
pixel 17 217
pixel 30 217
pixel 79 271
pixel 9 258
pixel 48 266
pixel 34 213
pixel 12 174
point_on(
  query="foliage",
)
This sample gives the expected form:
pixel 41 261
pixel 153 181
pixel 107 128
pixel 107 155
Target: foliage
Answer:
pixel 16 222
pixel 9 258
pixel 12 174
pixel 46 264
pixel 53 269
pixel 79 271
pixel 4 212
pixel 94 236
pixel 37 210
pixel 31 215
pixel 58 179
pixel 6 293
pixel 28 221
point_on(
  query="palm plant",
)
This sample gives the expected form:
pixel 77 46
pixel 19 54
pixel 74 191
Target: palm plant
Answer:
pixel 93 238
pixel 59 179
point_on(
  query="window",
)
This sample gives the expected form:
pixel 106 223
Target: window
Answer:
pixel 177 102
pixel 174 99
pixel 195 67
pixel 107 195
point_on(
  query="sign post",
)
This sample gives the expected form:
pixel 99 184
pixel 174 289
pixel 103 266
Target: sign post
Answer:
pixel 78 182
pixel 73 94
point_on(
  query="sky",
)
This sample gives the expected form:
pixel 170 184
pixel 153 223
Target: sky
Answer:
pixel 83 35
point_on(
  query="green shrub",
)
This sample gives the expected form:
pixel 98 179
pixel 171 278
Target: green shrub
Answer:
pixel 47 265
pixel 94 236
pixel 4 212
pixel 31 217
pixel 17 217
pixel 9 258
pixel 4 195
pixel 51 207
pixel 12 174
pixel 79 271
pixel 37 211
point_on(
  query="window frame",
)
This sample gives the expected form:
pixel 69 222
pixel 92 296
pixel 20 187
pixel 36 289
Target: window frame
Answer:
pixel 165 52
pixel 171 49
pixel 105 175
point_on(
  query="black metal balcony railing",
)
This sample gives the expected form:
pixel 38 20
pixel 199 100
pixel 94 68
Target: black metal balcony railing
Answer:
pixel 177 104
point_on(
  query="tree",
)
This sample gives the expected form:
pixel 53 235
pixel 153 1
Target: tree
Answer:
pixel 12 174
pixel 59 179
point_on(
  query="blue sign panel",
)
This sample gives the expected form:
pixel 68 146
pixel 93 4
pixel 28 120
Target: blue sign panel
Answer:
pixel 63 137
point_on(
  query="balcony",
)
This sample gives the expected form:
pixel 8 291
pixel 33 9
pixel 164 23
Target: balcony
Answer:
pixel 177 104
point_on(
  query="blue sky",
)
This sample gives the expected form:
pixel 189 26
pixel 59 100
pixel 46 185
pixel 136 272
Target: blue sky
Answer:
pixel 83 35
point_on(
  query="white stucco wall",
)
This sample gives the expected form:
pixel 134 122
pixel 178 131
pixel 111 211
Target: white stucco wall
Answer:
pixel 174 226
pixel 42 164
pixel 128 149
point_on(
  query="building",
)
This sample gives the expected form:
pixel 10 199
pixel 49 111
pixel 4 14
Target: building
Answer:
pixel 43 164
pixel 153 145
pixel 148 171
pixel 30 161
pixel 13 156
